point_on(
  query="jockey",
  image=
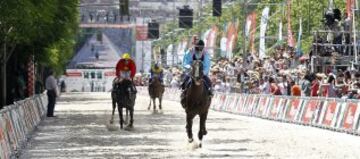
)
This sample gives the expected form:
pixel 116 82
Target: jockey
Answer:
pixel 156 70
pixel 198 54
pixel 126 68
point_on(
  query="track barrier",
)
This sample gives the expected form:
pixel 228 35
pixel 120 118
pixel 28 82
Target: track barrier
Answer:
pixel 328 113
pixel 17 122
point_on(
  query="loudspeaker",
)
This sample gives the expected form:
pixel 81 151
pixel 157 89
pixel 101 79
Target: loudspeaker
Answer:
pixel 217 8
pixel 124 7
pixel 153 30
pixel 186 17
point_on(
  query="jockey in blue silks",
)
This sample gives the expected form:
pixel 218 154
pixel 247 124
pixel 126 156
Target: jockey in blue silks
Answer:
pixel 198 53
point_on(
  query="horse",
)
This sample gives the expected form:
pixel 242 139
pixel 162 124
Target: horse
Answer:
pixel 197 102
pixel 123 97
pixel 156 90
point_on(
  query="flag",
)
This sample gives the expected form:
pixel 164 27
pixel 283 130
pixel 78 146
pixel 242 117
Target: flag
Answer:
pixel 280 39
pixel 349 7
pixel 248 25
pixel 298 46
pixel 263 25
pixel 291 40
pixel 232 33
pixel 252 33
pixel 210 41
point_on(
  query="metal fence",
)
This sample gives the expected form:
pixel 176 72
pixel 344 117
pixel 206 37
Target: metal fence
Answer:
pixel 328 113
pixel 17 122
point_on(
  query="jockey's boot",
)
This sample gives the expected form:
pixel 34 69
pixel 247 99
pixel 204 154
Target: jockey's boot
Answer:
pixel 211 92
pixel 133 89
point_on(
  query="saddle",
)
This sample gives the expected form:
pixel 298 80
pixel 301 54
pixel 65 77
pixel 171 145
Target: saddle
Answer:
pixel 118 81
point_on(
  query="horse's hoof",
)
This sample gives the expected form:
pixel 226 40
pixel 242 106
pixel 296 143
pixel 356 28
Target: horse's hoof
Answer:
pixel 204 132
pixel 111 121
pixel 129 127
pixel 200 145
pixel 190 140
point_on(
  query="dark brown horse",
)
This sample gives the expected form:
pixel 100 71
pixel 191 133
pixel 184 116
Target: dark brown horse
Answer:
pixel 122 97
pixel 197 101
pixel 156 90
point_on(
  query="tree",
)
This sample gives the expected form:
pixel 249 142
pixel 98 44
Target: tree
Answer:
pixel 44 29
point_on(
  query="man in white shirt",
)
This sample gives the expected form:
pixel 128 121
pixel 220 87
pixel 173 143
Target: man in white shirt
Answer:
pixel 52 92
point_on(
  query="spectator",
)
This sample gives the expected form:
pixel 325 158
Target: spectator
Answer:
pixel 331 91
pixel 315 85
pixel 283 85
pixel 274 88
pixel 295 89
pixel 52 93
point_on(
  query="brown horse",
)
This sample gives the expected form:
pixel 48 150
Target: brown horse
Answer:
pixel 197 101
pixel 122 97
pixel 156 90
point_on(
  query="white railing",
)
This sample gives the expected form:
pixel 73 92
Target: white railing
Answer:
pixel 329 113
pixel 17 122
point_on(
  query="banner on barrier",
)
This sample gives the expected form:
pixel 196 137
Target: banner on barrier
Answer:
pixel 310 111
pixel 293 108
pixel 240 104
pixel 350 114
pixel 329 118
pixel 263 104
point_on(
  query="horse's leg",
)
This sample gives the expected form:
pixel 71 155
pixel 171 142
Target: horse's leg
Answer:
pixel 160 102
pixel 113 110
pixel 189 122
pixel 202 130
pixel 120 109
pixel 131 110
pixel 154 103
pixel 150 103
pixel 127 116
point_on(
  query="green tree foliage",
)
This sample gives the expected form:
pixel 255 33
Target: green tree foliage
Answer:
pixel 310 11
pixel 44 28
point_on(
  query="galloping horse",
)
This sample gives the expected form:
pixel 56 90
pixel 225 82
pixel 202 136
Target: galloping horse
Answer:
pixel 123 97
pixel 156 90
pixel 197 101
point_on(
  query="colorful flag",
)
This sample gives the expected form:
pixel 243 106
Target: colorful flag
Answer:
pixel 210 41
pixel 298 47
pixel 349 7
pixel 280 39
pixel 263 25
pixel 252 33
pixel 232 32
pixel 291 40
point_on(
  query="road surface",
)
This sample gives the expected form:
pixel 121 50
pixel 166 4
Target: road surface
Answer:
pixel 80 132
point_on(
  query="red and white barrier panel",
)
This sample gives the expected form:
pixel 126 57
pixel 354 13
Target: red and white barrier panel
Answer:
pixel 333 114
pixel 17 122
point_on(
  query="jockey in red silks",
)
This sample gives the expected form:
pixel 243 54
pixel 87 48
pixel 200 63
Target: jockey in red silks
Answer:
pixel 126 68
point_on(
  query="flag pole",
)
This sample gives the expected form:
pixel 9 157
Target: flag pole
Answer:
pixel 354 32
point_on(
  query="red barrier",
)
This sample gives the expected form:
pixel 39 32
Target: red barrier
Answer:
pixel 293 107
pixel 330 116
pixel 229 100
pixel 5 151
pixel 240 104
pixel 232 104
pixel 249 104
pixel 310 111
pixel 349 118
pixel 274 109
pixel 263 105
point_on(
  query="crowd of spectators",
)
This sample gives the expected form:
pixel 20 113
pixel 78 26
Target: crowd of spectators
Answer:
pixel 282 73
